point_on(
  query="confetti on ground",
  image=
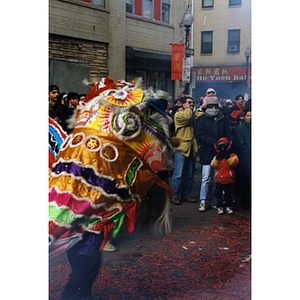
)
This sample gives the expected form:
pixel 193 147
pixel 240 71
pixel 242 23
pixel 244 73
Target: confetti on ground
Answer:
pixel 157 268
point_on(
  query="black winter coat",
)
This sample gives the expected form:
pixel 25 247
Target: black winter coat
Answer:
pixel 62 112
pixel 243 147
pixel 207 131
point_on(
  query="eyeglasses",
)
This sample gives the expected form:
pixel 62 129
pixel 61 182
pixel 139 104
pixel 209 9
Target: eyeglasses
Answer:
pixel 190 102
pixel 212 106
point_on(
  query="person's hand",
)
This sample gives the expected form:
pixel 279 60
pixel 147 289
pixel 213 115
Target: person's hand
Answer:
pixel 223 154
pixel 56 119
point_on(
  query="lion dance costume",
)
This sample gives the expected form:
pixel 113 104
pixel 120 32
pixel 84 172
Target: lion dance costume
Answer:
pixel 105 169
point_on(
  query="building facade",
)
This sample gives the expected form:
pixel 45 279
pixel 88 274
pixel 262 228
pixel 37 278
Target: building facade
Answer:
pixel 132 38
pixel 114 38
pixel 221 34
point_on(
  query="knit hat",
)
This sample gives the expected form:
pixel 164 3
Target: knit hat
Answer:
pixel 53 87
pixel 211 90
pixel 212 100
pixel 159 104
pixel 222 142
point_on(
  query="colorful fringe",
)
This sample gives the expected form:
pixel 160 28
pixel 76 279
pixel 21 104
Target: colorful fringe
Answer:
pixel 94 185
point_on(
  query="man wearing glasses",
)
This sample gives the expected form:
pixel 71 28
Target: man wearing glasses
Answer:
pixel 184 120
pixel 209 128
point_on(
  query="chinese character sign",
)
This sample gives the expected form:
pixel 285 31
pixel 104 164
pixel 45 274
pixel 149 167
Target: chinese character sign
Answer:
pixel 176 62
pixel 235 74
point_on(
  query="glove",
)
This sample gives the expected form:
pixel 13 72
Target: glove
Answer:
pixel 223 154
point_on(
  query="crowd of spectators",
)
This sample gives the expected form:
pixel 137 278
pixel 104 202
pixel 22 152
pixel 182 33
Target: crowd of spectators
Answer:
pixel 199 125
pixel 62 105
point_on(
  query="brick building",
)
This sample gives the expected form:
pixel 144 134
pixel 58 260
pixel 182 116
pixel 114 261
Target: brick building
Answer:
pixel 119 39
pixel 129 38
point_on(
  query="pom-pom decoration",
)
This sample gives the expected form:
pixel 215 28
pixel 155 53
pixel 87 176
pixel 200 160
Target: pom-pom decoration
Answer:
pixel 126 125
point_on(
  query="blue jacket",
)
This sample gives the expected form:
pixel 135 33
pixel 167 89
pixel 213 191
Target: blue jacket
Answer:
pixel 243 147
pixel 208 130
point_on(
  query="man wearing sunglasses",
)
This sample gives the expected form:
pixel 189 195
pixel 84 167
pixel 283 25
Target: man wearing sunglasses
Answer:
pixel 209 128
pixel 184 120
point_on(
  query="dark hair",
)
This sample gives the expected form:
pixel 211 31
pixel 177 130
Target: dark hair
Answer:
pixel 238 96
pixel 53 87
pixel 81 95
pixel 247 106
pixel 184 99
pixel 239 115
pixel 246 111
pixel 175 109
pixel 72 95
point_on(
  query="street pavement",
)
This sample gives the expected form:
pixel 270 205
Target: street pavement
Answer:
pixel 207 256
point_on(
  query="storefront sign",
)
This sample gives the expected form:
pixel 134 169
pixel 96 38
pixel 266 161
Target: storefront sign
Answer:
pixel 186 69
pixel 189 52
pixel 221 74
pixel 176 62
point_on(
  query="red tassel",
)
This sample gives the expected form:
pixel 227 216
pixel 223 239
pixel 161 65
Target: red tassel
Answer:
pixel 163 184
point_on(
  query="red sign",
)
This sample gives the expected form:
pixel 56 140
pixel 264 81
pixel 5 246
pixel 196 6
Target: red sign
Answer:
pixel 221 74
pixel 176 62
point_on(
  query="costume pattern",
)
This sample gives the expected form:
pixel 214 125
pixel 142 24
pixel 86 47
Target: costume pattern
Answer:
pixel 106 166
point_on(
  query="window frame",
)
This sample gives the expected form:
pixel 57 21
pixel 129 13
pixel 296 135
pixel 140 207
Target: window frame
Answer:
pixel 151 9
pixel 207 6
pixel 167 3
pixel 233 42
pixel 92 2
pixel 130 2
pixel 231 3
pixel 205 44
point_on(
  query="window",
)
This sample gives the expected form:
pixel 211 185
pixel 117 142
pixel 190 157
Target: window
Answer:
pixel 129 6
pixel 96 2
pixel 148 9
pixel 158 80
pixel 165 11
pixel 163 82
pixel 207 3
pixel 206 42
pixel 233 41
pixel 235 2
pixel 153 79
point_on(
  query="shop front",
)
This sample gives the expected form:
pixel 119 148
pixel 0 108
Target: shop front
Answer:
pixel 228 82
pixel 154 67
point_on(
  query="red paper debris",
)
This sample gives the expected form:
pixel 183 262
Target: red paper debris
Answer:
pixel 159 268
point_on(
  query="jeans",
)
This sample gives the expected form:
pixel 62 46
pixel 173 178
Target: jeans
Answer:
pixel 207 185
pixel 182 175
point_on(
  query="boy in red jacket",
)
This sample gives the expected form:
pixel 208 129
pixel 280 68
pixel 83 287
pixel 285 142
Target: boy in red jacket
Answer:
pixel 225 176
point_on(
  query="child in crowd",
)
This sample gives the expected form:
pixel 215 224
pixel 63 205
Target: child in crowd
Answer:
pixel 225 176
pixel 210 93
